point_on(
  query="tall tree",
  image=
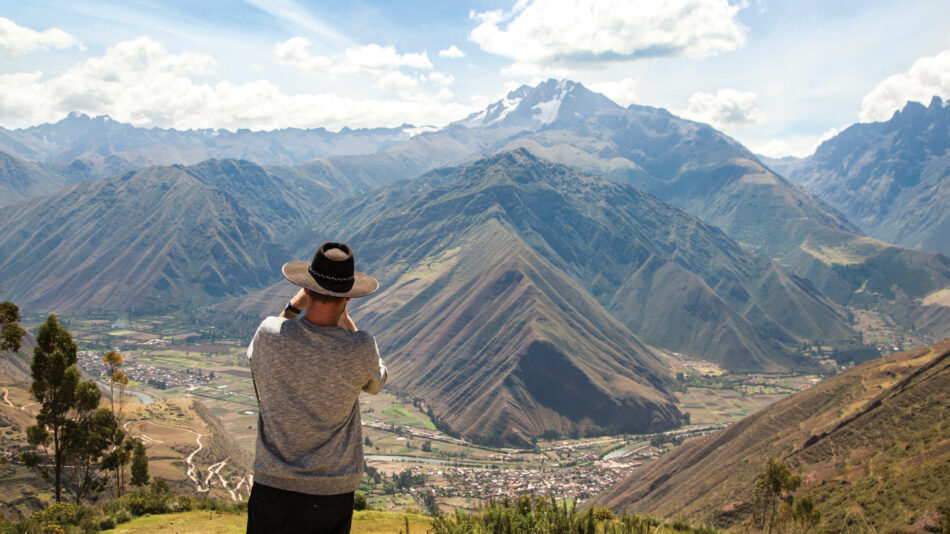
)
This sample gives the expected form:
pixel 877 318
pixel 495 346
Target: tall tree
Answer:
pixel 139 464
pixel 55 380
pixel 119 456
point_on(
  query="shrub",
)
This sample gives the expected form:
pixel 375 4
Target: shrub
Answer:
pixel 62 513
pixel 359 502
pixel 123 516
pixel 107 523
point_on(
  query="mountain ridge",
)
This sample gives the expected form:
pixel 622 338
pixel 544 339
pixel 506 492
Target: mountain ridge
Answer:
pixel 851 437
pixel 891 177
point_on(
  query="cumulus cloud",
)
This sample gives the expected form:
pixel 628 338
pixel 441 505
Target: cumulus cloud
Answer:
pixel 295 52
pixel 139 82
pixel 369 59
pixel 397 81
pixel 452 52
pixel 17 40
pixel 623 92
pixel 928 76
pixel 540 34
pixel 727 109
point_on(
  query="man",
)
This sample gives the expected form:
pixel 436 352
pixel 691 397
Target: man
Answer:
pixel 308 374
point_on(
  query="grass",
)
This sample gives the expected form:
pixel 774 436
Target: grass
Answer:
pixel 203 521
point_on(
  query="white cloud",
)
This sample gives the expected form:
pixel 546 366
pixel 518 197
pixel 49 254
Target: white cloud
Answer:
pixel 928 76
pixel 452 52
pixel 623 92
pixel 369 59
pixel 17 40
pixel 294 53
pixel 375 59
pixel 799 146
pixel 139 82
pixel 540 34
pixel 397 81
pixel 774 149
pixel 440 78
pixel 727 109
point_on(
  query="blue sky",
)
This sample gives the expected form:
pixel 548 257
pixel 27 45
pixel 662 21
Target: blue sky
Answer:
pixel 777 76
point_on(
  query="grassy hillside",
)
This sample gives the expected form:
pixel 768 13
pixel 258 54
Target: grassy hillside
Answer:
pixel 872 446
pixel 210 522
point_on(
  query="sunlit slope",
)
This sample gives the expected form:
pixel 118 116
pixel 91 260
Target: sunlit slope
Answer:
pixel 672 280
pixel 863 441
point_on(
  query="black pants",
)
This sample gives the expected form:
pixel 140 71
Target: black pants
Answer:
pixel 273 511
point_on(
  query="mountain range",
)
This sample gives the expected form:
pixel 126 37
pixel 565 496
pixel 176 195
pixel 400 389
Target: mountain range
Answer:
pixel 80 147
pixel 691 166
pixel 495 267
pixel 500 244
pixel 870 445
pixel 890 178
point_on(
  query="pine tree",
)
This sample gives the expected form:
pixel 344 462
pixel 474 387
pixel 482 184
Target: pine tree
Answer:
pixel 139 464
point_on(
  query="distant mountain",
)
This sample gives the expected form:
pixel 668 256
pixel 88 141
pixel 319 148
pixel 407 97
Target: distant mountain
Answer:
pixel 491 267
pixel 891 178
pixel 688 164
pixel 21 179
pixel 80 147
pixel 870 445
pixel 149 240
pixel 676 282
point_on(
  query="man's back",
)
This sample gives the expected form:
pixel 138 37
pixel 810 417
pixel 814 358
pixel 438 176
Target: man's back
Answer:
pixel 309 378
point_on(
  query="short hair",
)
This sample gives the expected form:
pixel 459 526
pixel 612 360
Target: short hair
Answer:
pixel 325 299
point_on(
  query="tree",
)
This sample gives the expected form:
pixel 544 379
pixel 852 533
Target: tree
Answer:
pixel 118 458
pixel 10 332
pixel 120 454
pixel 86 440
pixel 426 446
pixel 771 487
pixel 55 381
pixel 139 464
pixel 113 361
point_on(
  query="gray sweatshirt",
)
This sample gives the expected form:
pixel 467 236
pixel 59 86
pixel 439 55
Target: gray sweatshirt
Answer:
pixel 309 380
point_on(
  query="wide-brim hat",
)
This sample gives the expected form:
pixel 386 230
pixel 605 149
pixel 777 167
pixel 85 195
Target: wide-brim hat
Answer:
pixel 331 273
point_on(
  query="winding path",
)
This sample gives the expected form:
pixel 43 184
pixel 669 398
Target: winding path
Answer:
pixel 6 398
pixel 192 470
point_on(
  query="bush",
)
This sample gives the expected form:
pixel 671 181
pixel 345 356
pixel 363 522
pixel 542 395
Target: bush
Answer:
pixel 106 523
pixel 359 502
pixel 62 513
pixel 123 516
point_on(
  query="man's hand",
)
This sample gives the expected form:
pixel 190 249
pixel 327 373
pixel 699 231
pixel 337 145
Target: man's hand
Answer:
pixel 345 320
pixel 300 301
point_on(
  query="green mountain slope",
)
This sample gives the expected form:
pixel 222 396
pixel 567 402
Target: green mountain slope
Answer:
pixel 872 446
pixel 153 239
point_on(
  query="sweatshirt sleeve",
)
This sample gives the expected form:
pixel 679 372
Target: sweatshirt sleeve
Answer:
pixel 377 372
